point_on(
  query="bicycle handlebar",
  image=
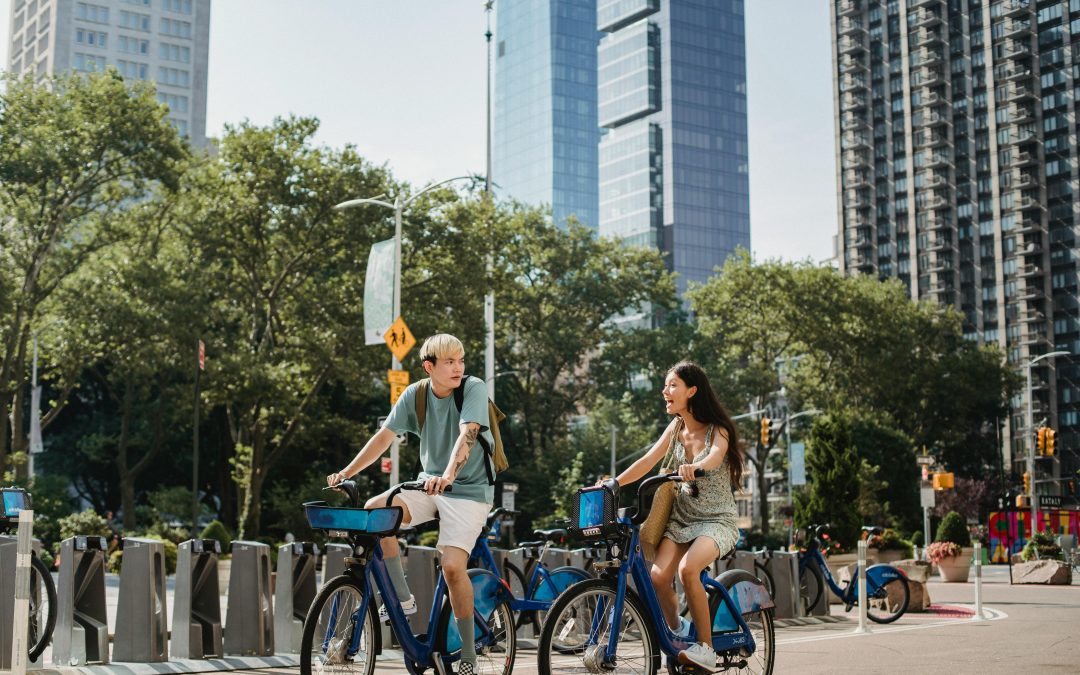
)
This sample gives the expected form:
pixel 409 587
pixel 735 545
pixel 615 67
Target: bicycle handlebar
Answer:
pixel 650 485
pixel 350 490
pixel 410 485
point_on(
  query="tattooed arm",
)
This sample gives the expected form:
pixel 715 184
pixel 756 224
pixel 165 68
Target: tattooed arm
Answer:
pixel 462 448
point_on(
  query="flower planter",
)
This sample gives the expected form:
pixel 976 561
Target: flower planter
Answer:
pixel 955 568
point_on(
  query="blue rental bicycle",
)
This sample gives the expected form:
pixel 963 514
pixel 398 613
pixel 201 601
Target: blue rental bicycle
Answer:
pixel 887 590
pixel 603 625
pixel 531 598
pixel 341 630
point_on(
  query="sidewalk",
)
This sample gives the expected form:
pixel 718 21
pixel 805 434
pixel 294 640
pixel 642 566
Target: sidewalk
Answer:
pixel 1027 628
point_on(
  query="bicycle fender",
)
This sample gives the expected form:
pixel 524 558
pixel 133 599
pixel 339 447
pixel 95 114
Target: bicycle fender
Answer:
pixel 746 590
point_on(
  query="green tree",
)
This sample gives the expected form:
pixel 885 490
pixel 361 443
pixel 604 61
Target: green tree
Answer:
pixel 286 272
pixel 832 465
pixel 74 152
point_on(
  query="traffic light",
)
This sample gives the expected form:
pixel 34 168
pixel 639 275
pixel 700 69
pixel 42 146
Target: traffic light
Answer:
pixel 1023 501
pixel 1040 441
pixel 1027 483
pixel 765 424
pixel 1049 442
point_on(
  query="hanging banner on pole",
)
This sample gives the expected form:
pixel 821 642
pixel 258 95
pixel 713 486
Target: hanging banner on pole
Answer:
pixel 36 446
pixel 379 292
pixel 798 464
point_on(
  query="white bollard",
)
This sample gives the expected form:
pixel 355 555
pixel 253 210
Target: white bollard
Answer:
pixel 864 627
pixel 979 614
pixel 20 647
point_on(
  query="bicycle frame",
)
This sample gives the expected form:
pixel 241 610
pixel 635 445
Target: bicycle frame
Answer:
pixel 876 577
pixel 419 651
pixel 735 634
pixel 481 553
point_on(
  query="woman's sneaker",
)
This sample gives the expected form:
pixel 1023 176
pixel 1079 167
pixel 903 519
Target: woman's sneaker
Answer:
pixel 699 654
pixel 409 607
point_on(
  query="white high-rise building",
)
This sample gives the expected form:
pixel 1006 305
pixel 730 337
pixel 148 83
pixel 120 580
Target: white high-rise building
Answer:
pixel 165 41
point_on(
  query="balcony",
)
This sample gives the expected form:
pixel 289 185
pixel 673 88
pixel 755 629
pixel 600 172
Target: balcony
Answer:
pixel 935 180
pixel 1029 202
pixel 913 4
pixel 929 76
pixel 1021 179
pixel 848 7
pixel 1030 271
pixel 1015 8
pixel 924 37
pixel 850 26
pixel 931 139
pixel 1018 48
pixel 849 63
pixel 851 100
pixel 1020 113
pixel 1017 28
pixel 1018 92
pixel 857 219
pixel 853 159
pixel 854 139
pixel 1017 73
pixel 1029 225
pixel 926 56
pixel 850 82
pixel 856 179
pixel 934 118
pixel 858 199
pixel 850 43
pixel 1026 158
pixel 852 121
pixel 941 243
pixel 938 159
pixel 923 17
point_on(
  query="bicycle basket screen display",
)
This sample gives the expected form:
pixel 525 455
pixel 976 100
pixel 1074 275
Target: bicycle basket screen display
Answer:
pixel 591 509
pixel 14 501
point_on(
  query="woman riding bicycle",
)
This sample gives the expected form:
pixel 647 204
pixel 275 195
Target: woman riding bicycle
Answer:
pixel 702 523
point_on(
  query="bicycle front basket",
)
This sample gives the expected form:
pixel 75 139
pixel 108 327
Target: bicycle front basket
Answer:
pixel 381 521
pixel 15 500
pixel 594 513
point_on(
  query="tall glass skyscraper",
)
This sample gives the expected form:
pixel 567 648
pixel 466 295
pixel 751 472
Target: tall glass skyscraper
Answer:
pixel 545 129
pixel 672 101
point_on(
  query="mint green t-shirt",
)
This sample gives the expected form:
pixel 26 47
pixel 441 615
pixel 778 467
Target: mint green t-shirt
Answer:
pixel 441 430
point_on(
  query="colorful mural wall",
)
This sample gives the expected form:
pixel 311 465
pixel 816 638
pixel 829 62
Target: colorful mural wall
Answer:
pixel 1010 530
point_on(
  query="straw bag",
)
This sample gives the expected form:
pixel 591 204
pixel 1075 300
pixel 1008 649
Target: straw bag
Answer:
pixel 652 530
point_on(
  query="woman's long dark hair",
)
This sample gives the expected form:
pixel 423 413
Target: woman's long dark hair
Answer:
pixel 705 407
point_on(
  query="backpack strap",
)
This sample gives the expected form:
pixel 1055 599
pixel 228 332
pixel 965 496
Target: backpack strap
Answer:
pixel 459 400
pixel 421 402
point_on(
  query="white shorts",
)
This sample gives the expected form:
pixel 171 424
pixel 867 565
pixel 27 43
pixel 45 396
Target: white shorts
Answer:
pixel 460 520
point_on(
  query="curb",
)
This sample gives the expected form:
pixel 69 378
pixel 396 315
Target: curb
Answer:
pixel 178 666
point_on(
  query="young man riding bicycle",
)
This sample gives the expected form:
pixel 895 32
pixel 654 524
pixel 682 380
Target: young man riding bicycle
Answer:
pixel 447 457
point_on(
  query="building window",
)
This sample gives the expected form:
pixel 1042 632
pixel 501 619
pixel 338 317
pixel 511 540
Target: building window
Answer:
pixel 88 12
pixel 175 28
pixel 177 53
pixel 135 21
pixel 133 70
pixel 173 76
pixel 89 63
pixel 177 6
pixel 130 45
pixel 91 38
pixel 177 104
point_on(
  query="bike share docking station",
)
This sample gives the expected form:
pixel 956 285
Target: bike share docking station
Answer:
pixel 294 592
pixel 249 624
pixel 142 633
pixel 196 632
pixel 82 631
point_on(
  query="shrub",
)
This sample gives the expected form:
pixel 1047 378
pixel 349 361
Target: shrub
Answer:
pixel 890 540
pixel 917 538
pixel 954 529
pixel 116 558
pixel 217 530
pixel 88 523
pixel 1041 547
pixel 429 538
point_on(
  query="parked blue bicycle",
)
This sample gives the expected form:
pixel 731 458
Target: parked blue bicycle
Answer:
pixel 887 590
pixel 341 630
pixel 533 597
pixel 603 625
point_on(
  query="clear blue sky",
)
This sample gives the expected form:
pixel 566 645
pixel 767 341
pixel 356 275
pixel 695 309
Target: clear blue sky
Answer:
pixel 403 80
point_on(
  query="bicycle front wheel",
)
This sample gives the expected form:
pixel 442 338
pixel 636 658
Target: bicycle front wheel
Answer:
pixel 333 640
pixel 811 587
pixel 580 624
pixel 889 601
pixel 42 607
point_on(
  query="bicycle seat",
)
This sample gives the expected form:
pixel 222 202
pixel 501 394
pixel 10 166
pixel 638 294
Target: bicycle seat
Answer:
pixel 555 536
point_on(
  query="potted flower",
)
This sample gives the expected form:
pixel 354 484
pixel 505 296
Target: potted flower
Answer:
pixel 889 546
pixel 947 551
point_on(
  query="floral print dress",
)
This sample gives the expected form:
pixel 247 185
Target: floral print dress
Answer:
pixel 712 513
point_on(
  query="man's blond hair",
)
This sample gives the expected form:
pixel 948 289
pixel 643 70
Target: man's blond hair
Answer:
pixel 441 346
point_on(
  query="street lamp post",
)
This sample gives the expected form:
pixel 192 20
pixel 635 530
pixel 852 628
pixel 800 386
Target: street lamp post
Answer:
pixel 1031 443
pixel 399 205
pixel 790 476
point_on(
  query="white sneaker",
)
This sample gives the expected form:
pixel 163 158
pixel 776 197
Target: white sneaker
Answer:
pixel 699 654
pixel 684 629
pixel 409 607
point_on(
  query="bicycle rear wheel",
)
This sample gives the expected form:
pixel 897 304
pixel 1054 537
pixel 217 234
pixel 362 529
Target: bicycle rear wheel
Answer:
pixel 330 630
pixel 889 602
pixel 42 607
pixel 811 586
pixel 579 626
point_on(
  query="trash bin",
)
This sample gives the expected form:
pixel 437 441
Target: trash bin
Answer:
pixel 142 633
pixel 294 592
pixel 196 624
pixel 249 622
pixel 81 636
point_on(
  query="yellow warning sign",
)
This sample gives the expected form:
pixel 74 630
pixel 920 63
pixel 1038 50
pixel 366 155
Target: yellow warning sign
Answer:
pixel 399 339
pixel 399 380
